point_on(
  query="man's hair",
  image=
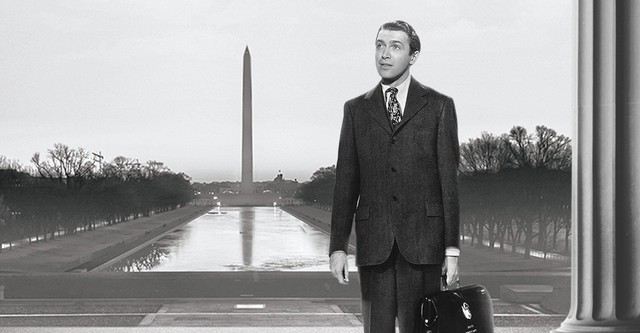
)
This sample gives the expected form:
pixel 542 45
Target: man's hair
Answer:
pixel 414 40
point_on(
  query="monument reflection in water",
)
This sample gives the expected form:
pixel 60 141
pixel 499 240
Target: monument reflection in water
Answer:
pixel 238 239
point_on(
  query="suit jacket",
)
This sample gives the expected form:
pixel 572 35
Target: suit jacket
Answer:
pixel 400 183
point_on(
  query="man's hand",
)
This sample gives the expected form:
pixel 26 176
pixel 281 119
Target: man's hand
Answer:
pixel 339 266
pixel 450 268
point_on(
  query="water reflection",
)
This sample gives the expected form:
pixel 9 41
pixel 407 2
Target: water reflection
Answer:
pixel 247 219
pixel 243 239
pixel 148 259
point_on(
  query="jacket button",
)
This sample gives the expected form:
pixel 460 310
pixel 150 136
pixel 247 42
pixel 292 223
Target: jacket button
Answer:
pixel 393 169
pixel 395 198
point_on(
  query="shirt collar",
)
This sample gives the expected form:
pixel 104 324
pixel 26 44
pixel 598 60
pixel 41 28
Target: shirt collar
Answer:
pixel 402 87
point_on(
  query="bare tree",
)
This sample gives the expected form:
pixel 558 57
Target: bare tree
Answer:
pixel 546 149
pixel 520 144
pixel 64 163
pixel 552 151
pixel 153 169
pixel 123 168
pixel 485 154
pixel 7 164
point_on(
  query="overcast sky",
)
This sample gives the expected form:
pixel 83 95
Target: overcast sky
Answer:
pixel 161 80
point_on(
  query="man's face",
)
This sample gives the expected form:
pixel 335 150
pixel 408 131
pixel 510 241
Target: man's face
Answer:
pixel 393 56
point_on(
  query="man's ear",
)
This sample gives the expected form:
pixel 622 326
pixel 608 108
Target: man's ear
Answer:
pixel 414 57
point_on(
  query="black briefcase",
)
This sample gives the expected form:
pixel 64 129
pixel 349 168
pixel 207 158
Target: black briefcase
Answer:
pixel 463 310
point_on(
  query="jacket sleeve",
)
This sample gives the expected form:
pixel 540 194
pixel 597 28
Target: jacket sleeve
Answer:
pixel 448 159
pixel 347 188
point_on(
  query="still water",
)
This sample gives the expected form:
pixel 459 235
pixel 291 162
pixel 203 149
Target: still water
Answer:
pixel 237 239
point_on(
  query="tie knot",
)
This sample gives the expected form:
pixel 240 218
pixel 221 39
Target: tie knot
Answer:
pixel 392 91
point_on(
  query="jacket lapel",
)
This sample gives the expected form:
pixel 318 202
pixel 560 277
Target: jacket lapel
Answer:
pixel 416 101
pixel 376 108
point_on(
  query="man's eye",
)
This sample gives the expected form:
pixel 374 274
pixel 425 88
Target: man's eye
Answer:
pixel 396 47
pixel 378 46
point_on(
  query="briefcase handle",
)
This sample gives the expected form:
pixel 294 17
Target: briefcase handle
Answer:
pixel 429 311
pixel 430 314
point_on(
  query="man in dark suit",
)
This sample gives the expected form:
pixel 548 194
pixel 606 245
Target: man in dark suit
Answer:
pixel 397 173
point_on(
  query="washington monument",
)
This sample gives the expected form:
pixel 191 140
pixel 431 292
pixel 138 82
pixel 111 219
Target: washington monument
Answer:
pixel 246 186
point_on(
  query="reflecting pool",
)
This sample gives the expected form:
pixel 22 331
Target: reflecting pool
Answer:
pixel 235 239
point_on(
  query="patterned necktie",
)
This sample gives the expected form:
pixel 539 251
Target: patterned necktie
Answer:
pixel 393 107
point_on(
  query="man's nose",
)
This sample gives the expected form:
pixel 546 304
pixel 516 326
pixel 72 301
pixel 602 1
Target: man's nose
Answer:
pixel 385 53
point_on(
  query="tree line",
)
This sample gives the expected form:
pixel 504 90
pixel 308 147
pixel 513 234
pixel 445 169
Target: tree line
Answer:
pixel 515 189
pixel 69 190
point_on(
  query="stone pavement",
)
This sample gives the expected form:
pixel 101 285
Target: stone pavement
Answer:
pixel 227 315
pixel 245 329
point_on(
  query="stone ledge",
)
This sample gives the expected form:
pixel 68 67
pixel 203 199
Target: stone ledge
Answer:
pixel 524 293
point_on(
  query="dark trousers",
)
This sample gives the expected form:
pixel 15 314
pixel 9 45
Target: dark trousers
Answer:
pixel 393 289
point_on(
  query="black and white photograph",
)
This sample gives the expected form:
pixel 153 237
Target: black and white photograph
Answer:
pixel 308 166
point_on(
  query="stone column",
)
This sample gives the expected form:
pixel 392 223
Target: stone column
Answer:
pixel 605 287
